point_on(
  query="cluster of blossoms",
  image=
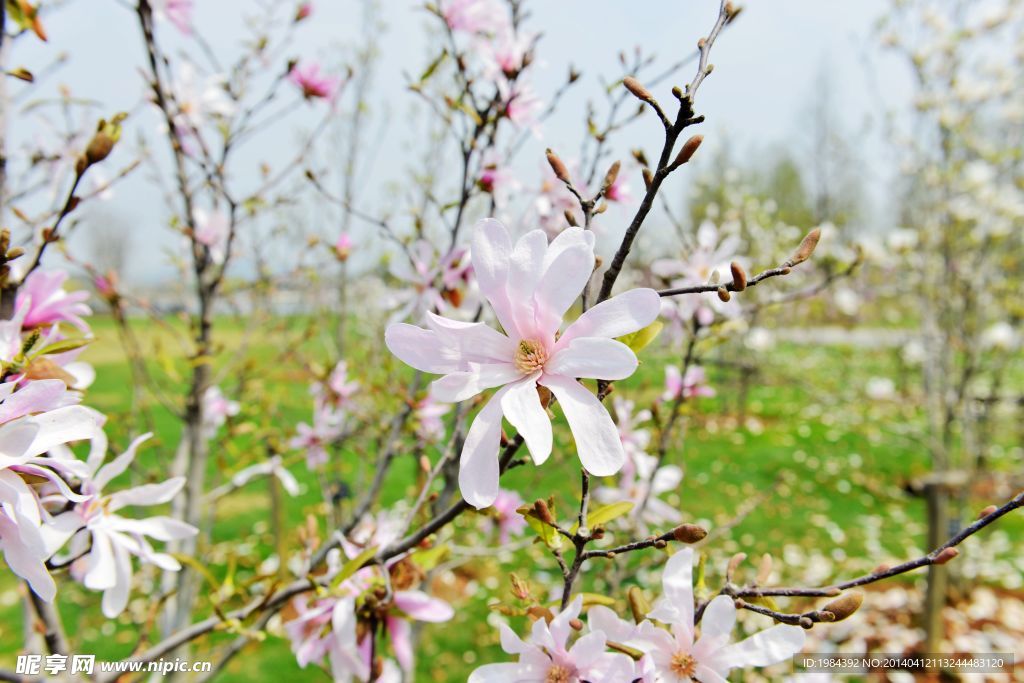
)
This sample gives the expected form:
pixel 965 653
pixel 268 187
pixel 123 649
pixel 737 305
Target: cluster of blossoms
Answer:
pixel 343 625
pixel 430 282
pixel 705 263
pixel 667 645
pixel 332 400
pixel 530 286
pixel 49 498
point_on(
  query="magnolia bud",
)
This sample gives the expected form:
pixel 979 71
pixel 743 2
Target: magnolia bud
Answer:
pixel 561 172
pixel 689 533
pixel 688 149
pixel 648 178
pixel 739 278
pixel 538 612
pixel 946 555
pixel 984 513
pixel 639 91
pixel 844 606
pixel 610 176
pixel 764 571
pixel 543 512
pixel 424 464
pixel 724 294
pixel 734 564
pixel 520 589
pixel 806 247
pixel 638 604
pixel 576 624
pixel 570 218
pixel 660 544
pixel 806 623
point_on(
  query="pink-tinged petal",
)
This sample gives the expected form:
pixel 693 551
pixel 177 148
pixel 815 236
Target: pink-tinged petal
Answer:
pixel 24 561
pixel 597 440
pixel 607 667
pixel 620 315
pixel 560 286
pixel 422 607
pixel 490 252
pixel 601 618
pixel 568 238
pixel 715 626
pixel 526 266
pixel 159 528
pixel 559 626
pixel 506 672
pixel 593 358
pixel 147 494
pixel 62 425
pixel 522 408
pixel 35 397
pixel 458 386
pixel 119 464
pixel 478 464
pixel 476 342
pixel 15 440
pixel 401 641
pixel 706 673
pixel 676 604
pixel 771 646
pixel 421 349
pixel 345 655
pixel 102 572
pixel 510 642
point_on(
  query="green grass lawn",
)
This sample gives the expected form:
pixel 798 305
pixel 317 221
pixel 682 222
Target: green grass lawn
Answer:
pixel 826 464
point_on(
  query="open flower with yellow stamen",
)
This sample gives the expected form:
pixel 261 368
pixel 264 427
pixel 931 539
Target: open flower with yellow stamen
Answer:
pixel 530 285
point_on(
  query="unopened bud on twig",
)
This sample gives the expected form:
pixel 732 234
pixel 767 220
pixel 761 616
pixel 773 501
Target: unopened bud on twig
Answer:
pixel 806 247
pixel 576 624
pixel 561 172
pixel 987 511
pixel 570 218
pixel 648 178
pixel 764 570
pixel 946 555
pixel 688 149
pixel 739 277
pixel 723 294
pixel 543 512
pixel 845 606
pixel 734 564
pixel 638 604
pixel 610 176
pixel 638 90
pixel 102 143
pixel 689 533
pixel 520 589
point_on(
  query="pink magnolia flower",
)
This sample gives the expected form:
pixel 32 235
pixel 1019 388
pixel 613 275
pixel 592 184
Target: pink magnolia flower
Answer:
pixel 546 657
pixel 619 191
pixel 314 85
pixel 213 230
pixel 429 425
pixel 111 540
pixel 331 626
pixel 691 385
pixel 339 388
pixel 315 438
pixel 303 11
pixel 343 246
pixel 474 16
pixel 497 179
pixel 216 409
pixel 508 522
pixel 680 654
pixel 530 286
pixel 522 106
pixel 432 283
pixel 46 302
pixel 178 12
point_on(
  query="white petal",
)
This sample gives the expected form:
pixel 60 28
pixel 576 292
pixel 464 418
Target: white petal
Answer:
pixel 147 494
pixel 459 386
pixel 773 645
pixel 421 349
pixel 597 440
pixel 676 605
pixel 522 408
pixel 475 342
pixel 490 253
pixel 622 314
pixel 593 358
pixel 62 425
pixel 478 464
pixel 115 598
pixel 119 464
pixel 560 286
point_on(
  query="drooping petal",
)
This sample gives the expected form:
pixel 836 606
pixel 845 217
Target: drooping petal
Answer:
pixel 771 646
pixel 459 386
pixel 35 397
pixel 593 358
pixel 622 314
pixel 147 494
pixel 115 598
pixel 597 441
pixel 478 464
pixel 161 528
pixel 522 408
pixel 422 349
pixel 24 561
pixel 423 607
pixel 401 641
pixel 119 464
pixel 102 572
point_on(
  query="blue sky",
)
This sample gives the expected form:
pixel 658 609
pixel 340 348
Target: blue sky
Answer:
pixel 767 68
